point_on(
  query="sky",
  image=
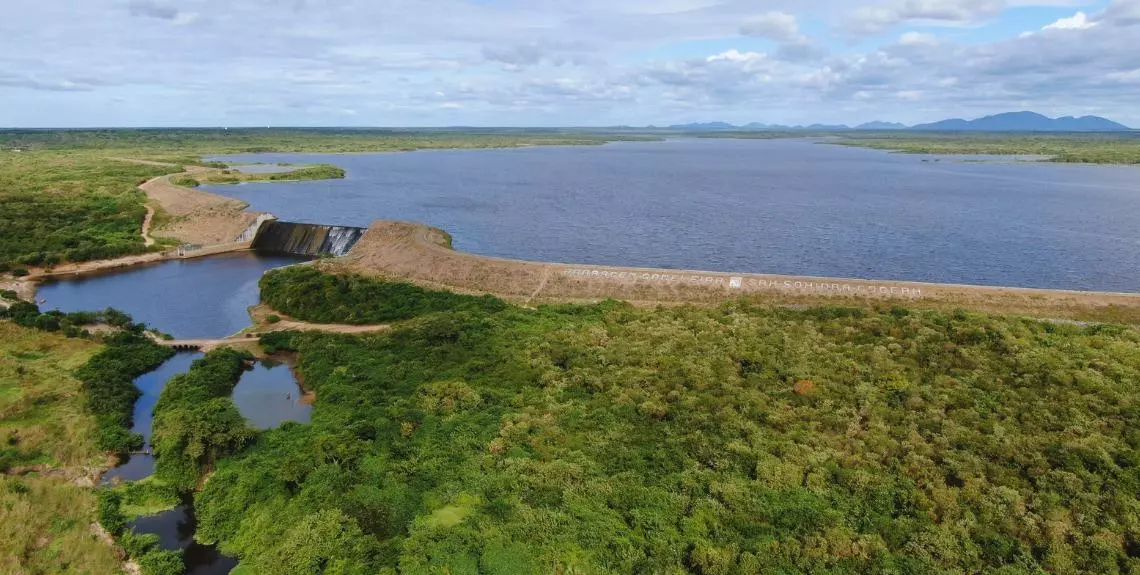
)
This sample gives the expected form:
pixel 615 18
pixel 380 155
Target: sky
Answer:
pixel 101 63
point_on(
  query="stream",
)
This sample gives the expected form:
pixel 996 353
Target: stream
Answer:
pixel 198 298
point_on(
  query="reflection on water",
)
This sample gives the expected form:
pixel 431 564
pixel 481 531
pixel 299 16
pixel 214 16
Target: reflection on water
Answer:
pixel 150 384
pixel 197 298
pixel 175 530
pixel 268 395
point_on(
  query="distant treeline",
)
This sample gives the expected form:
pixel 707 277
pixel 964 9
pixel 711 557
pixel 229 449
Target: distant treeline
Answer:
pixel 1105 148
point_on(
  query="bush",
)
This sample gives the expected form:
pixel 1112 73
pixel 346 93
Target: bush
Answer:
pixel 196 421
pixel 108 380
pixel 162 562
pixel 273 318
pixel 307 293
pixel 110 515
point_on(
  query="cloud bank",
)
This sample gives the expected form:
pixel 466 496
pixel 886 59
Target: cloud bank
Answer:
pixel 540 62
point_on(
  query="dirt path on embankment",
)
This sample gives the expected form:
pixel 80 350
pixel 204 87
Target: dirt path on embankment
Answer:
pixel 193 216
pixel 421 254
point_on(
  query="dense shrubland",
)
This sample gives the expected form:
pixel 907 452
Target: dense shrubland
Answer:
pixel 744 439
pixel 307 293
pixel 196 421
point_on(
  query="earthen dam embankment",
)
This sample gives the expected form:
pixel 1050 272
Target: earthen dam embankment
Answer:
pixel 423 255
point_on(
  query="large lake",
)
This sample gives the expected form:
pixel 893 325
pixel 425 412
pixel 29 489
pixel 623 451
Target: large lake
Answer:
pixel 772 206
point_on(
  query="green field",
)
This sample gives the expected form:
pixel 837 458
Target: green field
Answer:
pixel 742 439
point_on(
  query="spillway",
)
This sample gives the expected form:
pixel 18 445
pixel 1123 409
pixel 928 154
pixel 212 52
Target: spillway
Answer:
pixel 306 239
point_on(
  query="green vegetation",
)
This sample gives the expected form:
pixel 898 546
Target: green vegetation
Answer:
pixel 306 293
pixel 42 415
pixel 72 324
pixel 315 172
pixel 61 206
pixel 108 380
pixel 45 526
pixel 196 421
pixel 185 181
pixel 743 439
pixel 143 548
pixel 1123 148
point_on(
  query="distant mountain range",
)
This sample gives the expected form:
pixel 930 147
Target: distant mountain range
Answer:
pixel 1007 122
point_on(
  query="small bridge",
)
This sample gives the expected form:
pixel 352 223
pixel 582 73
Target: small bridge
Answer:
pixel 202 344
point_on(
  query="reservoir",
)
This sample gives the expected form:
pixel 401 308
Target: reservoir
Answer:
pixel 765 206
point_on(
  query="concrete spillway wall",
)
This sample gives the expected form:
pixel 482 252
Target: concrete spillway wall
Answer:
pixel 306 239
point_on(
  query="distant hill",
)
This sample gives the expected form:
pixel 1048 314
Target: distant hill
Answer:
pixel 1026 122
pixel 704 126
pixel 876 125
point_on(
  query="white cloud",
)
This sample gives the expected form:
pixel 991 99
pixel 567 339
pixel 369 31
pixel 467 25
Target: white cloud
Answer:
pixel 778 26
pixel 738 57
pixel 917 39
pixel 534 62
pixel 1079 21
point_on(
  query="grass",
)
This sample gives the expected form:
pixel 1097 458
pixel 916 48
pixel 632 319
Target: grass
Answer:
pixel 45 528
pixel 42 418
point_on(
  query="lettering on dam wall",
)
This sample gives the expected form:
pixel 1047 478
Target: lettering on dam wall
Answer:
pixel 813 286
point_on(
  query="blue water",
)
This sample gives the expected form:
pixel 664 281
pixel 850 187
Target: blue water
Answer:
pixel 196 298
pixel 137 467
pixel 268 395
pixel 771 206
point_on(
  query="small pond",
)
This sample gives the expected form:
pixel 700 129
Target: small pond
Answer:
pixel 268 395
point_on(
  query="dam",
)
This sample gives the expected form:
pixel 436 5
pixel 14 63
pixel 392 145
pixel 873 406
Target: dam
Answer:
pixel 305 239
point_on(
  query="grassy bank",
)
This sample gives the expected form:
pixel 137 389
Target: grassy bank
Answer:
pixel 44 517
pixel 45 528
pixel 742 439
pixel 1069 148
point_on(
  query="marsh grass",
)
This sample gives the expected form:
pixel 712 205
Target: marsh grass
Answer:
pixel 45 528
pixel 42 415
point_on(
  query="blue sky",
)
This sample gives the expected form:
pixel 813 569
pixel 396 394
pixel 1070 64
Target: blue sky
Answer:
pixel 554 63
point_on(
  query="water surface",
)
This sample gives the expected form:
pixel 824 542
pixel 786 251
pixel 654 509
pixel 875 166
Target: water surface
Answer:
pixel 137 467
pixel 175 530
pixel 774 206
pixel 195 298
pixel 268 395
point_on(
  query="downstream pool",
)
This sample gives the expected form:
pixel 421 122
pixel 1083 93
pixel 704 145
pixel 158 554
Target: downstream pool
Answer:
pixel 189 299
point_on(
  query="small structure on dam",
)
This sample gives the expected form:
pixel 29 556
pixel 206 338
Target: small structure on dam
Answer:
pixel 306 239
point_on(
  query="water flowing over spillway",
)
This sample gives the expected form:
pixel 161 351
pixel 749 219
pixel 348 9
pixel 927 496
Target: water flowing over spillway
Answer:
pixel 306 239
